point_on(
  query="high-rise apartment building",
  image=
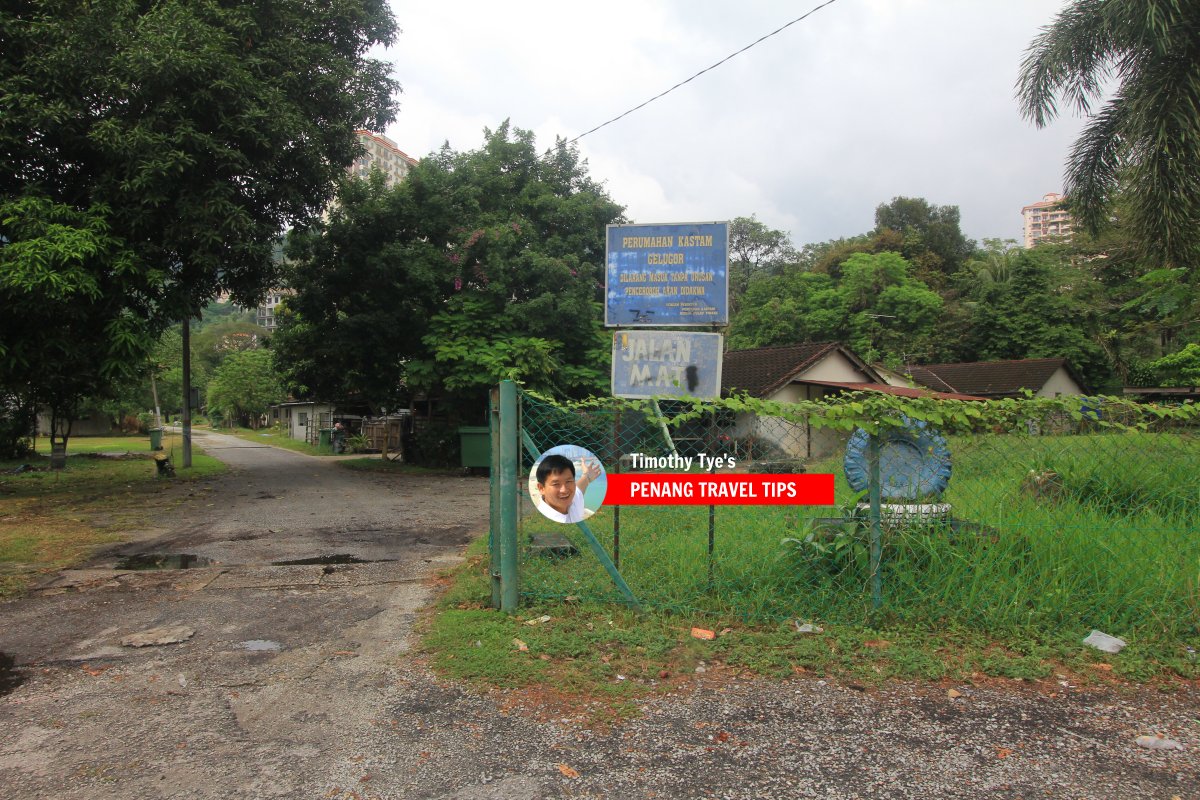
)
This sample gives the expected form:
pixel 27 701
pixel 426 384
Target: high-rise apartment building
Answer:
pixel 381 152
pixel 1046 220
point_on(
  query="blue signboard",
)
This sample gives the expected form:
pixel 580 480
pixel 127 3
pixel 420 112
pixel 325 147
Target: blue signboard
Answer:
pixel 666 364
pixel 663 275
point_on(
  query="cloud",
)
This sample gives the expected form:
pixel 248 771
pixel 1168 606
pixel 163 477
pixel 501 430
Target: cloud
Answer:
pixel 810 130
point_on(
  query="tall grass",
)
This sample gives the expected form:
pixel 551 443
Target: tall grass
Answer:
pixel 1096 530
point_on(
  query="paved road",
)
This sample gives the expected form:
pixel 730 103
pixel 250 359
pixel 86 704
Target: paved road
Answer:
pixel 299 682
pixel 287 662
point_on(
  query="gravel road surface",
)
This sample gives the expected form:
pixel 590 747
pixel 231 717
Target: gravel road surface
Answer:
pixel 297 681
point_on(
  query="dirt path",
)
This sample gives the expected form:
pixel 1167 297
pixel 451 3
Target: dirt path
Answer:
pixel 298 683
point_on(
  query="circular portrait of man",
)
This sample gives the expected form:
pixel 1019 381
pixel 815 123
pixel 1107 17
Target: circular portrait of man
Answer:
pixel 567 483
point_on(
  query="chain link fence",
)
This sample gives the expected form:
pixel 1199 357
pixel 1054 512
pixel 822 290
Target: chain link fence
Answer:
pixel 1049 518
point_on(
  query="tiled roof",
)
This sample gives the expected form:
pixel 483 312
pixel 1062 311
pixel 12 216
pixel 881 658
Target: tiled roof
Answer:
pixel 991 378
pixel 763 371
pixel 898 391
pixel 923 376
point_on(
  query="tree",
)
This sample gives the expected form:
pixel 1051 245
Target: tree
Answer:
pixel 215 339
pixel 1039 312
pixel 70 292
pixel 1181 368
pixel 191 132
pixel 876 307
pixel 366 282
pixel 480 266
pixel 930 236
pixel 244 386
pixel 755 251
pixel 1143 145
pixel 527 256
pixel 204 128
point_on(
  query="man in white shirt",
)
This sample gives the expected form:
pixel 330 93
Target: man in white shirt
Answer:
pixel 562 495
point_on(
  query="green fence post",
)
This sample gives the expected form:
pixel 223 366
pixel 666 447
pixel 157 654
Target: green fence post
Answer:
pixel 616 547
pixel 494 498
pixel 590 538
pixel 510 458
pixel 876 528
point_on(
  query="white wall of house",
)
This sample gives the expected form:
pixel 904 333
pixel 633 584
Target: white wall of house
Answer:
pixel 299 418
pixel 891 377
pixel 90 424
pixel 835 367
pixel 1060 383
pixel 797 439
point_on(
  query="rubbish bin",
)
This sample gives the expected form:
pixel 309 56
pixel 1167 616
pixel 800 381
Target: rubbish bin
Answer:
pixel 156 435
pixel 58 455
pixel 326 441
pixel 475 442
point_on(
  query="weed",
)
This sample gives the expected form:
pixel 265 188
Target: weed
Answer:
pixel 52 520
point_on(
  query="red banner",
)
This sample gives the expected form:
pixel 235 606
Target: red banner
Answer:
pixel 719 490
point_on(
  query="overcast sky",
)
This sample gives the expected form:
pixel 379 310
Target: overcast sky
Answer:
pixel 863 101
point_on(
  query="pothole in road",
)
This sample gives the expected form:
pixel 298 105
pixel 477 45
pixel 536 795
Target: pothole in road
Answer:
pixel 163 561
pixel 10 678
pixel 340 558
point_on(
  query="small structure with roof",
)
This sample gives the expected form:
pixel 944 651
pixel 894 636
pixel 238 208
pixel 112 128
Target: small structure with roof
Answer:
pixel 1045 377
pixel 792 373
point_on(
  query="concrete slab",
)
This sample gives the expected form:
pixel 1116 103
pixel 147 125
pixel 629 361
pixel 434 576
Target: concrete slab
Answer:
pixel 269 577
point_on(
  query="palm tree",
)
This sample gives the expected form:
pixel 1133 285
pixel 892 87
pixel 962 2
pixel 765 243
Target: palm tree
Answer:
pixel 1144 142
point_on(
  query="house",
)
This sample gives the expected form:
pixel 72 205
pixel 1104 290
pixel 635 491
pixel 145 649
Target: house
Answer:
pixel 1045 377
pixel 90 422
pixel 304 419
pixel 792 373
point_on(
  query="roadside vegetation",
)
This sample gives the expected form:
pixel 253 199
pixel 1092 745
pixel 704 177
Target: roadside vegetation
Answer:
pixel 599 658
pixel 276 437
pixel 52 520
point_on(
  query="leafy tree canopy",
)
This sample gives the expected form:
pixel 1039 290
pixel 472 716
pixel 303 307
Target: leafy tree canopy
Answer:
pixel 481 265
pixel 876 307
pixel 756 250
pixel 70 293
pixel 162 147
pixel 244 386
pixel 1142 145
pixel 929 236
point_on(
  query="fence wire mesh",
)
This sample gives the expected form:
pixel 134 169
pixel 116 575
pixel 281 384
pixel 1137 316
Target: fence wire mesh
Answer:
pixel 1049 522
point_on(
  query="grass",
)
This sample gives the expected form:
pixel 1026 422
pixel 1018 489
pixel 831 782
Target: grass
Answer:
pixel 596 660
pixel 52 520
pixel 1111 545
pixel 1060 561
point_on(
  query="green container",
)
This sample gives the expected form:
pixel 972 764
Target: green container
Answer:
pixel 326 442
pixel 156 435
pixel 476 445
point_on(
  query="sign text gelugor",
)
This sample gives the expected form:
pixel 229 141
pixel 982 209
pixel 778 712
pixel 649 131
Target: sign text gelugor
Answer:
pixel 664 275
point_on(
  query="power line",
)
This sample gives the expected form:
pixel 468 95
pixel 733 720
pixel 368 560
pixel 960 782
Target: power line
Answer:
pixel 706 69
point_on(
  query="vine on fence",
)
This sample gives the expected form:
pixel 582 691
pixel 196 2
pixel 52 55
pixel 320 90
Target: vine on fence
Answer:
pixel 876 411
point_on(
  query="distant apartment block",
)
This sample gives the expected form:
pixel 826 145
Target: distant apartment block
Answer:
pixel 266 310
pixel 381 152
pixel 1046 220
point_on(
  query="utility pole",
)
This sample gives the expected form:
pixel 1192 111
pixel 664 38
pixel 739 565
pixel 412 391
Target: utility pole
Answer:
pixel 187 392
